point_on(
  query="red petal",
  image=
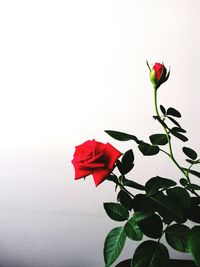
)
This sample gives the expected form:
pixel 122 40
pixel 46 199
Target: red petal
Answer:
pixel 99 175
pixel 80 172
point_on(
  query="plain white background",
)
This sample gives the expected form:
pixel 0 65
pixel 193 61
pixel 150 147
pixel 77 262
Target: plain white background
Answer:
pixel 69 70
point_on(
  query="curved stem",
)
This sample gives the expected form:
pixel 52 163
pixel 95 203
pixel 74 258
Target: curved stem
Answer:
pixel 187 174
pixel 164 231
pixel 170 154
pixel 166 132
pixel 165 152
pixel 123 188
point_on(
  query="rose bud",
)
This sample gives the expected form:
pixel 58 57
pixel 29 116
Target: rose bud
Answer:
pixel 94 158
pixel 158 74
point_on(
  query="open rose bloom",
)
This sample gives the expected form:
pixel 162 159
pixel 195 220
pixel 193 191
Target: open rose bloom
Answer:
pixel 94 158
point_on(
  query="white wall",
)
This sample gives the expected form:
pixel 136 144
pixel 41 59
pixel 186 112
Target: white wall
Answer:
pixel 69 70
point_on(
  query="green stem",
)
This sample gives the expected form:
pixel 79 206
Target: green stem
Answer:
pixel 123 188
pixel 170 154
pixel 164 231
pixel 165 152
pixel 187 174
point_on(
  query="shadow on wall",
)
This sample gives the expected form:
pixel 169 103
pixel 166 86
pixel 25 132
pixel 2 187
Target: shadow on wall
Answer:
pixel 22 264
pixel 8 264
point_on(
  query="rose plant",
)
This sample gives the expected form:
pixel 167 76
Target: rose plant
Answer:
pixel 162 207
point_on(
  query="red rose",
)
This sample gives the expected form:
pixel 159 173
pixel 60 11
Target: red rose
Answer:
pixel 159 69
pixel 94 158
pixel 158 75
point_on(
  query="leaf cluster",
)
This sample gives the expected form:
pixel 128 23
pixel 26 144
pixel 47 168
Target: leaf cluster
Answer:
pixel 159 211
pixel 162 208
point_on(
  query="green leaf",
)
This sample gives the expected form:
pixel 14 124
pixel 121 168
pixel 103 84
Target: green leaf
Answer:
pixel 128 157
pixel 150 254
pixel 153 185
pixel 141 203
pixel 161 121
pixel 120 136
pixel 173 112
pixel 193 213
pixel 112 178
pixel 116 211
pixel 125 199
pixel 113 245
pixel 179 195
pixel 152 226
pixel 189 153
pixel 174 121
pixel 194 244
pixel 158 139
pixel 127 162
pixel 178 129
pixel 193 161
pixel 132 228
pixel 195 201
pixel 119 166
pixel 133 184
pixel 179 136
pixel 168 208
pixel 176 236
pixel 163 110
pixel 193 187
pixel 195 173
pixel 148 150
pixel 183 181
